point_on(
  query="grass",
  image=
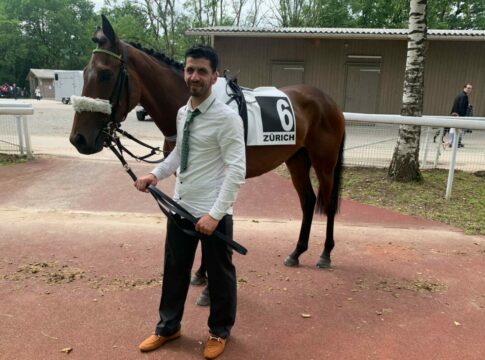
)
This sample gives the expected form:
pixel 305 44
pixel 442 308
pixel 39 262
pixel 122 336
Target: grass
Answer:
pixel 7 159
pixel 426 199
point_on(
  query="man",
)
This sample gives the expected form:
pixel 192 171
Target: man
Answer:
pixel 208 180
pixel 460 108
pixel 15 91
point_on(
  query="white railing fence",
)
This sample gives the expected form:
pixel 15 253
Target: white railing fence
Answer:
pixel 14 130
pixel 371 139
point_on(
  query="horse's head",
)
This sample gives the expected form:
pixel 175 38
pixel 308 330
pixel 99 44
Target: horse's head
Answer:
pixel 108 92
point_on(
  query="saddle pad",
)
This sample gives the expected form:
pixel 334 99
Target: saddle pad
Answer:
pixel 271 119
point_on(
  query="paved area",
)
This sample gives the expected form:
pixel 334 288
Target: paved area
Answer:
pixel 81 257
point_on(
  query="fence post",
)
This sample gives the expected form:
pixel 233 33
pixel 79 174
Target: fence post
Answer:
pixel 19 110
pixel 426 146
pixel 451 171
pixel 438 147
pixel 20 134
pixel 28 146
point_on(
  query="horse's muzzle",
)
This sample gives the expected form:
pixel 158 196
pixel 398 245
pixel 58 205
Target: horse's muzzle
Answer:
pixel 80 143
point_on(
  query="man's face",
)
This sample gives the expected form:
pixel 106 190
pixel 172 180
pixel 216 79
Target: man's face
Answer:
pixel 468 89
pixel 199 77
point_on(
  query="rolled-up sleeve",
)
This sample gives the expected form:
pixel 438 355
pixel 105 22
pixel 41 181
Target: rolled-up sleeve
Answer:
pixel 168 166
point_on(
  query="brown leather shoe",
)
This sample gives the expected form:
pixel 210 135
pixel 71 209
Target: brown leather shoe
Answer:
pixel 153 342
pixel 214 347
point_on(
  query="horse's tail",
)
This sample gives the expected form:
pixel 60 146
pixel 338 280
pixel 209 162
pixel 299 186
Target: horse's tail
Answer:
pixel 333 206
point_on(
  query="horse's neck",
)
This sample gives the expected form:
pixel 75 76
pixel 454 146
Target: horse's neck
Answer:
pixel 163 91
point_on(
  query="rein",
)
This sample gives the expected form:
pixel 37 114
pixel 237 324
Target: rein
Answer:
pixel 170 207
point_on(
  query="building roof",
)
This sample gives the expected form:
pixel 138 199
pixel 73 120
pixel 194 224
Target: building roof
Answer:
pixel 41 73
pixel 336 33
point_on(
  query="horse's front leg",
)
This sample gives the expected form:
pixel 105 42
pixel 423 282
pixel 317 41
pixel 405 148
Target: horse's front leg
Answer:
pixel 306 225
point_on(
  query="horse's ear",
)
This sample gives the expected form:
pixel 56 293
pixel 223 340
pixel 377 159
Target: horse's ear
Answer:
pixel 108 30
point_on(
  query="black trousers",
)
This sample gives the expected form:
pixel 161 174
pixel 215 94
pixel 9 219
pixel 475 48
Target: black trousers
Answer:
pixel 180 251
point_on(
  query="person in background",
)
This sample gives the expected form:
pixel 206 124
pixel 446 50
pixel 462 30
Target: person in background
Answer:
pixel 37 93
pixel 461 107
pixel 15 91
pixel 208 179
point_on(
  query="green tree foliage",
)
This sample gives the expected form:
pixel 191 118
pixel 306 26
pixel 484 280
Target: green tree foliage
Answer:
pixel 130 23
pixel 49 34
pixel 443 14
pixel 456 14
pixel 56 34
pixel 329 13
pixel 14 51
pixel 380 13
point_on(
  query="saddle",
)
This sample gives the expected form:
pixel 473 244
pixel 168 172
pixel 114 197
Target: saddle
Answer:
pixel 267 114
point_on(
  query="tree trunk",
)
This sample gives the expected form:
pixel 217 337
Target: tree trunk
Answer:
pixel 405 160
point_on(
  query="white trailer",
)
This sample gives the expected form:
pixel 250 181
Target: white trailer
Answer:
pixel 67 83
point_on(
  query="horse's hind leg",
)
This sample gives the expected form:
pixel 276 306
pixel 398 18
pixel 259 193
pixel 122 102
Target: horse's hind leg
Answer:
pixel 328 198
pixel 299 166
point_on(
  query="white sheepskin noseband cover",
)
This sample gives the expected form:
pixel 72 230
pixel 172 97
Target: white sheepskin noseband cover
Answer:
pixel 84 103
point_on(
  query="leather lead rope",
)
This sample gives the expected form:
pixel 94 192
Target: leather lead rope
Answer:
pixel 167 205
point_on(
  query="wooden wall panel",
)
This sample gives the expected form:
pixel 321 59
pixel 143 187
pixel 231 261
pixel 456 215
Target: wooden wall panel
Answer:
pixel 449 65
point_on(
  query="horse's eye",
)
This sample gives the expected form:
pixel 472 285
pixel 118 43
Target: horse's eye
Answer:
pixel 104 75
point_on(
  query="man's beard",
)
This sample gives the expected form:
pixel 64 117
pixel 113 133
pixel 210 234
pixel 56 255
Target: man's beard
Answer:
pixel 198 90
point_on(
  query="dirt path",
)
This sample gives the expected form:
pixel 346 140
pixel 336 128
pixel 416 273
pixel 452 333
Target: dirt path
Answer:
pixel 81 256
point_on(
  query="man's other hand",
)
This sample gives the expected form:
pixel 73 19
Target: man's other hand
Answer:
pixel 206 224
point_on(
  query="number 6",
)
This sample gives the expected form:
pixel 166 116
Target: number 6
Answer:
pixel 284 112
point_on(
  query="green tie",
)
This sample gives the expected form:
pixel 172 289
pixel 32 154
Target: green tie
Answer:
pixel 185 140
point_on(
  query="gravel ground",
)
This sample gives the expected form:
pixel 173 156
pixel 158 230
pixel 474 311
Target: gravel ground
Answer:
pixel 53 118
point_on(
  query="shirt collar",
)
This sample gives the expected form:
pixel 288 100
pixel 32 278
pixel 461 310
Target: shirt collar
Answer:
pixel 204 106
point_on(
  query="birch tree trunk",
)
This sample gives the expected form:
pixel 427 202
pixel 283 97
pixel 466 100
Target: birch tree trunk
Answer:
pixel 405 160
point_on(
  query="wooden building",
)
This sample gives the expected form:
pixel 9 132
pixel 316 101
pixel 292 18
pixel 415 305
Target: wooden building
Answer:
pixel 362 69
pixel 44 79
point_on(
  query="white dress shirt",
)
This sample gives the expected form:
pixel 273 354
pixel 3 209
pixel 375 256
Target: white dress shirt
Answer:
pixel 216 166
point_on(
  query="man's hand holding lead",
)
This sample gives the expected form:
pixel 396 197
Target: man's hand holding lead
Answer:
pixel 144 181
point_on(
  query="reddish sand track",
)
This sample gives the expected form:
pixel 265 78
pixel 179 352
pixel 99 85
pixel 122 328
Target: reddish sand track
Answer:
pixel 81 255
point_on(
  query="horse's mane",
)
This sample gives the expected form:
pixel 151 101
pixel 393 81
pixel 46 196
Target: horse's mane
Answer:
pixel 159 56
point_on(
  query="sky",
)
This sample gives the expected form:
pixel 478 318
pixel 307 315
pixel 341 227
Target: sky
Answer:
pixel 98 4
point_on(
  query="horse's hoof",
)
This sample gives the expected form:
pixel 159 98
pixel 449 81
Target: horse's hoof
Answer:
pixel 203 299
pixel 291 262
pixel 324 263
pixel 198 280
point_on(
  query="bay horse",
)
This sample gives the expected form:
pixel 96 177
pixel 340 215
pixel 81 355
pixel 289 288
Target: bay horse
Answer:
pixel 124 75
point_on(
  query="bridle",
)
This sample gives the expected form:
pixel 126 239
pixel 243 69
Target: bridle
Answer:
pixel 122 81
pixel 113 126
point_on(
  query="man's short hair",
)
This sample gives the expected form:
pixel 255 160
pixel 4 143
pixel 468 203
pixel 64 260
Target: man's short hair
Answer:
pixel 203 52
